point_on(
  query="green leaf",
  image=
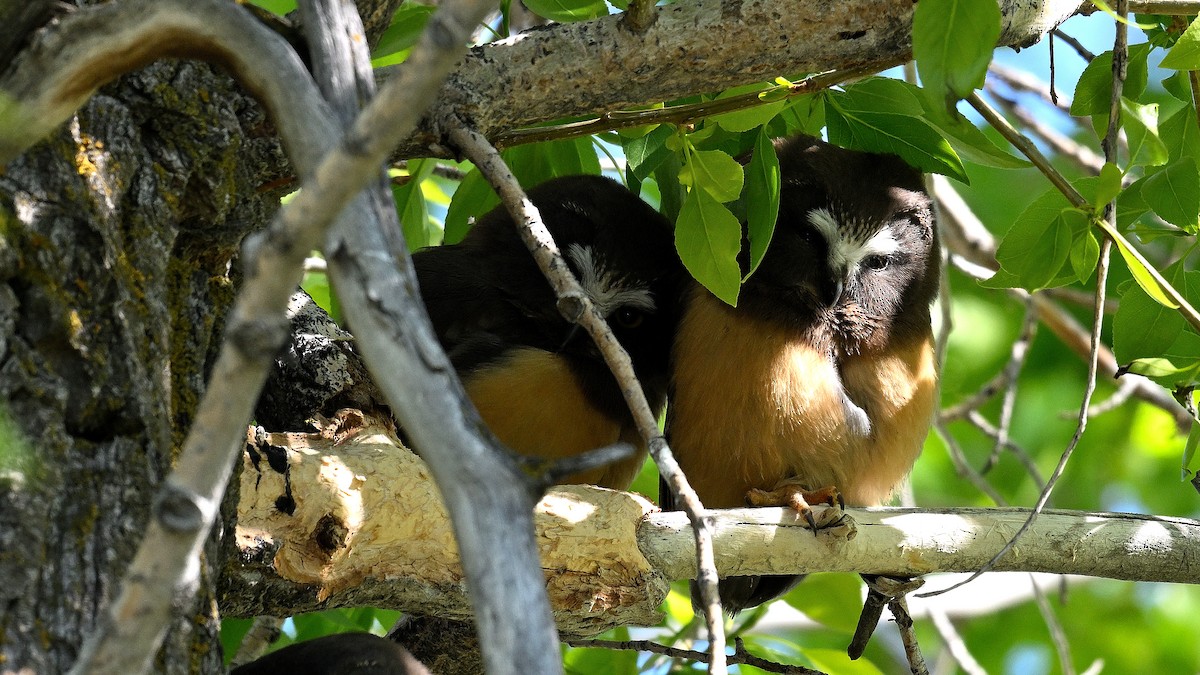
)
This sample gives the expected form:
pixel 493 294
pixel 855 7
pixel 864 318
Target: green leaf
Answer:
pixel 1085 250
pixel 233 630
pixel 762 198
pixel 1184 133
pixel 568 10
pixel 473 198
pixel 1174 193
pixel 1178 86
pixel 1185 55
pixel 1142 275
pixel 969 141
pixel 280 7
pixel 1189 453
pixel 1143 327
pixel 1141 129
pixel 830 598
pixel 1108 186
pixel 708 238
pixel 953 41
pixel 644 153
pixel 749 118
pixel 1093 93
pixel 883 94
pixel 836 661
pixel 804 115
pixel 407 25
pixel 714 172
pixel 419 229
pixel 1038 243
pixel 911 138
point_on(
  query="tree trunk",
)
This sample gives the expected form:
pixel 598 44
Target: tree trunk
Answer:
pixel 118 253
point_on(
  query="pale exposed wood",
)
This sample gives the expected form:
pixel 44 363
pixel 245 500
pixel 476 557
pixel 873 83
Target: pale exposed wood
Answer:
pixel 365 508
pixel 607 556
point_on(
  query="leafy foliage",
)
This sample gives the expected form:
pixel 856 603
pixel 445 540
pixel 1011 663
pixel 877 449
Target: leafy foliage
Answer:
pixel 717 177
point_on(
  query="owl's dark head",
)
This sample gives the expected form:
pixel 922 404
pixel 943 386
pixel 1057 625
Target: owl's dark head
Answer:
pixel 854 256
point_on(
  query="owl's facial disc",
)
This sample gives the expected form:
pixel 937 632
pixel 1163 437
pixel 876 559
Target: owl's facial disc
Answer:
pixel 852 245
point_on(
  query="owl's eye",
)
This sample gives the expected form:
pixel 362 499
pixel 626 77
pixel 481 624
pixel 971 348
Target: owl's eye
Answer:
pixel 628 317
pixel 876 262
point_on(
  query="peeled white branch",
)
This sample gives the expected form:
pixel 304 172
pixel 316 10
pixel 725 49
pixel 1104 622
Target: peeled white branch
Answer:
pixel 366 527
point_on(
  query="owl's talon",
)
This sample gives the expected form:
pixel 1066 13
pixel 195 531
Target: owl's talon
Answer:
pixel 792 494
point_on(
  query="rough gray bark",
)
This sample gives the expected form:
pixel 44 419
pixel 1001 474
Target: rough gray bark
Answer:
pixel 119 232
pixel 119 236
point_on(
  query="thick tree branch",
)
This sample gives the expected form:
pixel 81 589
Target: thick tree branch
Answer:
pixel 517 83
pixel 352 539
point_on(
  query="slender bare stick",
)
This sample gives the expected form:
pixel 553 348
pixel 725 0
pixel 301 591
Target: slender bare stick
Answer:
pixel 575 304
pixel 740 655
pixel 954 643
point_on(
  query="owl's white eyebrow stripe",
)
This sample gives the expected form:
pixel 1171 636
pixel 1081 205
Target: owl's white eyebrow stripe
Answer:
pixel 604 287
pixel 847 252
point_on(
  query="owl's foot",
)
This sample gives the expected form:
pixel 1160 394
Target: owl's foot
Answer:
pixel 792 493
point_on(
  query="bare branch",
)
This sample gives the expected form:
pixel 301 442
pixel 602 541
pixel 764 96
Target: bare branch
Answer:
pixel 740 655
pixel 574 302
pixel 966 237
pixel 608 556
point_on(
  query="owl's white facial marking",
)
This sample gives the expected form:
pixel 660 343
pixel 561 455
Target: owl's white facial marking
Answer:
pixel 607 290
pixel 848 246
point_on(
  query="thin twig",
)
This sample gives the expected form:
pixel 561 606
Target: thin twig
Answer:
pixel 980 422
pixel 577 304
pixel 964 468
pixel 677 114
pixel 1016 361
pixel 1081 155
pixel 1057 635
pixel 1118 399
pixel 739 657
pixel 1082 51
pixel 954 643
pixel 1020 80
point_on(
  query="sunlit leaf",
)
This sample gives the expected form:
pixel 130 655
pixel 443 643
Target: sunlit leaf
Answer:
pixel 708 238
pixel 1085 250
pixel 404 31
pixel 1142 275
pixel 1141 131
pixel 1038 244
pixel 911 138
pixel 1185 55
pixel 1108 185
pixel 1174 193
pixel 473 198
pixel 953 41
pixel 762 198
pixel 749 118
pixel 1188 469
pixel 644 153
pixel 567 10
pixel 715 173
pixel 1093 93
pixel 1143 327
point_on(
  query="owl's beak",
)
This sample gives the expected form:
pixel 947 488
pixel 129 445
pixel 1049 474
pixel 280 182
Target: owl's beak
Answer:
pixel 836 292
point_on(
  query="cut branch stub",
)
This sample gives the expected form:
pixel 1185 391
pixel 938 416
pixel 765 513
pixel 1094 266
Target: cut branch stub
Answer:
pixel 365 515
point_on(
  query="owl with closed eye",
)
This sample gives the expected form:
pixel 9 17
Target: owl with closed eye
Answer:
pixel 820 385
